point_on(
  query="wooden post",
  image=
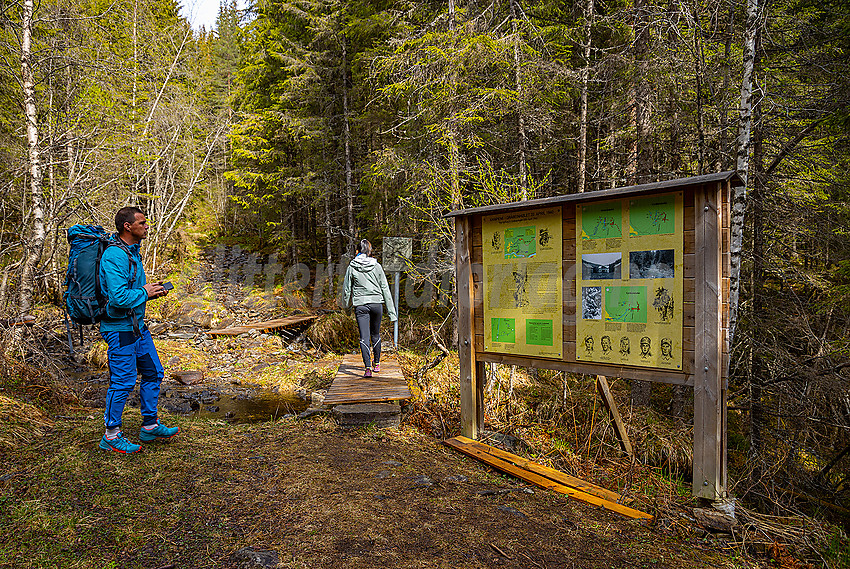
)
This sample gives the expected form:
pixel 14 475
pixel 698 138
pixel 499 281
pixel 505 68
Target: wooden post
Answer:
pixel 611 405
pixel 709 394
pixel 471 372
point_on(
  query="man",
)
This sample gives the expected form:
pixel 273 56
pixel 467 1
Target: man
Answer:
pixel 645 345
pixel 130 346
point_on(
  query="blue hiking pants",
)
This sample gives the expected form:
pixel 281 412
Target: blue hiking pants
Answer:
pixel 130 356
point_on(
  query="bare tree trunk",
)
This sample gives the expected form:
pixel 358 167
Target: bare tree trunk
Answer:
pixel 585 79
pixel 757 419
pixel 523 140
pixel 35 242
pixel 739 199
pixel 349 184
pixel 723 160
pixel 641 391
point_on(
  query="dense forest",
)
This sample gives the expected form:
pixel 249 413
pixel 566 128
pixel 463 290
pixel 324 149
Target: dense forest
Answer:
pixel 299 126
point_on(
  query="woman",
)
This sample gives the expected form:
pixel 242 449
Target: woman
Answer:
pixel 365 287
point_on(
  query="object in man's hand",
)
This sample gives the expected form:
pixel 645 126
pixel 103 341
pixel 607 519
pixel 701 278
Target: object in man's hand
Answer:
pixel 167 286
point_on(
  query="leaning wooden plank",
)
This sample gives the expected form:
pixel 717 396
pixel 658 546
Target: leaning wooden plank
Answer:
pixel 545 471
pixel 544 482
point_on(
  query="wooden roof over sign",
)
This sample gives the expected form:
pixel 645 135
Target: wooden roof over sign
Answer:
pixel 601 194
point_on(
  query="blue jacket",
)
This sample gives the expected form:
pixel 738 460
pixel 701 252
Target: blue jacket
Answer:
pixel 121 294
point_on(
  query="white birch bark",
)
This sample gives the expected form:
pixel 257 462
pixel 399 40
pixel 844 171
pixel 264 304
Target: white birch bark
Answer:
pixel 37 231
pixel 739 199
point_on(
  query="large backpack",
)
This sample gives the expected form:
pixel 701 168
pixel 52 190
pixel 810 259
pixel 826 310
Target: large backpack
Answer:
pixel 84 300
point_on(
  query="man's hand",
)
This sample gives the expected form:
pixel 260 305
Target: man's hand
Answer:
pixel 155 290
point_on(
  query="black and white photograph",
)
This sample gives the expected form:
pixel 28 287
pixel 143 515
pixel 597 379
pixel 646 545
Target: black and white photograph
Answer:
pixel 601 266
pixel 657 264
pixel 591 302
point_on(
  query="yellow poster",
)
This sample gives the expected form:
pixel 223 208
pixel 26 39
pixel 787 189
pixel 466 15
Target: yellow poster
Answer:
pixel 629 281
pixel 522 254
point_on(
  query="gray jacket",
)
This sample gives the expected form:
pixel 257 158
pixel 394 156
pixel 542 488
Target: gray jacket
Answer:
pixel 366 283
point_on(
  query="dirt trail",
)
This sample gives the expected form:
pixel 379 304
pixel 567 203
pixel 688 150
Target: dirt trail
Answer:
pixel 308 494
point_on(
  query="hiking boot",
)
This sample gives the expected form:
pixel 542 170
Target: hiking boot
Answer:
pixel 368 373
pixel 160 432
pixel 377 368
pixel 119 444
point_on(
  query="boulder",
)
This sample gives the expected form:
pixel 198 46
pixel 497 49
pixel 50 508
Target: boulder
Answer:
pixel 191 377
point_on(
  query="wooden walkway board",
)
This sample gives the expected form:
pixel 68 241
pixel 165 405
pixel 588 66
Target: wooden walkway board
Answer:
pixel 544 477
pixel 264 326
pixel 350 386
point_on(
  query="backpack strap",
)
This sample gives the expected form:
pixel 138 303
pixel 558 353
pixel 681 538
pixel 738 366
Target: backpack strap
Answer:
pixel 134 271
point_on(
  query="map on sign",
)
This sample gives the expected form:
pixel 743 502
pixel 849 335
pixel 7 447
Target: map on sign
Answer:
pixel 601 221
pixel 504 330
pixel 652 216
pixel 520 242
pixel 625 304
pixel 522 282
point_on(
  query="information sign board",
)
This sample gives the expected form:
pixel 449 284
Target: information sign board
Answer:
pixel 523 310
pixel 629 288
pixel 397 252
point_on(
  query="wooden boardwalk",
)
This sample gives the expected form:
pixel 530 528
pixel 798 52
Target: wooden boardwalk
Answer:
pixel 350 386
pixel 265 326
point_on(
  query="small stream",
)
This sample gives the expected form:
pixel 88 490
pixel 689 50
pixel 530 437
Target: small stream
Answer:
pixel 234 405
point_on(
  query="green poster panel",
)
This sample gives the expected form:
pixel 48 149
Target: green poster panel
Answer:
pixel 538 332
pixel 601 221
pixel 625 303
pixel 503 330
pixel 652 216
pixel 520 242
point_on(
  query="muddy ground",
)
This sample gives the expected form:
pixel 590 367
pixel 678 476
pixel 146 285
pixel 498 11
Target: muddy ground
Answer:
pixel 303 494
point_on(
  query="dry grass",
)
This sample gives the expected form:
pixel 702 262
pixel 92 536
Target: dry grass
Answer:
pixel 21 423
pixel 336 332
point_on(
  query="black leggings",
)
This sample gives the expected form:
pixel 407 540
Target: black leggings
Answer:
pixel 369 321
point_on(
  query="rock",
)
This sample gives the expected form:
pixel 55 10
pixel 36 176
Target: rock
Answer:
pixel 512 511
pixel 188 377
pixel 714 520
pixel 359 414
pixel 384 474
pixel 391 462
pixel 456 478
pixel 181 336
pixel 250 558
pixel 174 361
pixel 307 413
pixel 422 482
pixel 213 408
pixel 158 328
pixel 179 406
pixel 317 397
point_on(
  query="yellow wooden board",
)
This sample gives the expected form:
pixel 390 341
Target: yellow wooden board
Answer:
pixel 543 477
pixel 350 386
pixel 523 272
pixel 264 326
pixel 629 281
